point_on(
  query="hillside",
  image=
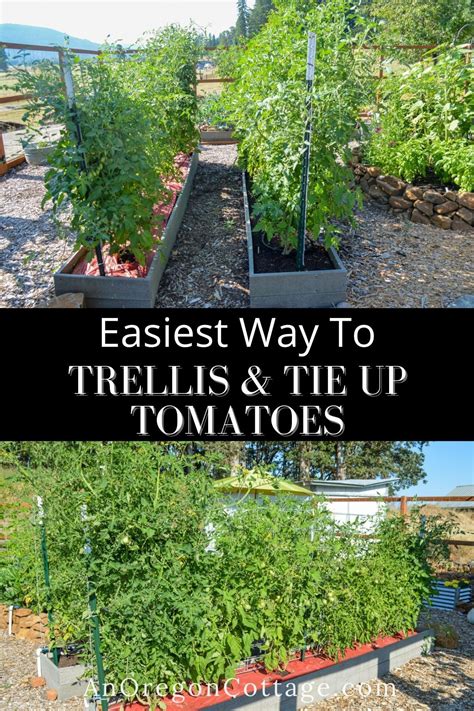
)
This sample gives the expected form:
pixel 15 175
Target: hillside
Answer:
pixel 29 34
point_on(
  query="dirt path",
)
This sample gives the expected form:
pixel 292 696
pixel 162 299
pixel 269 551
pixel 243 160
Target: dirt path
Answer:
pixel 208 267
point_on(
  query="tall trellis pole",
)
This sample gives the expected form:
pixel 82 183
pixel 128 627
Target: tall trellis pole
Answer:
pixel 310 60
pixel 47 581
pixel 94 618
pixel 64 63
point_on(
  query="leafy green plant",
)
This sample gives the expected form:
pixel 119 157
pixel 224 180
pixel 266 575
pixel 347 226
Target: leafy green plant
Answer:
pixel 426 120
pixel 189 583
pixel 267 107
pixel 136 113
pixel 212 112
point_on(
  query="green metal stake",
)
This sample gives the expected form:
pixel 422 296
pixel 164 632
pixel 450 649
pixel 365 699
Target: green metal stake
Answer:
pixel 47 581
pixel 94 616
pixel 307 150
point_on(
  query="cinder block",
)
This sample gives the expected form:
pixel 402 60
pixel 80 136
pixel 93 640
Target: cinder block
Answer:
pixel 66 680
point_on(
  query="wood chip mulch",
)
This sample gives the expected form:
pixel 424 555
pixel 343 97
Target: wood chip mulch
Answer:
pixel 208 266
pixel 391 262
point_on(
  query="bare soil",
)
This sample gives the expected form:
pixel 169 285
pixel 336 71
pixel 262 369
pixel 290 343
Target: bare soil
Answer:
pixel 208 266
pixel 269 257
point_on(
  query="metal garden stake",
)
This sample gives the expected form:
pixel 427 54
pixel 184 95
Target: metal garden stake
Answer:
pixel 64 63
pixel 310 60
pixel 94 616
pixel 47 582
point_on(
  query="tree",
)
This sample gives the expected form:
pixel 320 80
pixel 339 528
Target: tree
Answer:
pixel 242 24
pixel 418 22
pixel 339 460
pixel 229 457
pixel 258 15
pixel 367 460
pixel 3 60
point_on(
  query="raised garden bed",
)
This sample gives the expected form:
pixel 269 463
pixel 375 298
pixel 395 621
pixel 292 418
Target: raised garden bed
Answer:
pixel 449 594
pixel 66 678
pixel 124 291
pixel 218 136
pixel 322 285
pixel 304 683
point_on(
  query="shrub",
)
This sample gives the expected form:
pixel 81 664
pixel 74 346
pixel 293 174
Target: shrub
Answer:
pixel 267 108
pixel 136 113
pixel 426 120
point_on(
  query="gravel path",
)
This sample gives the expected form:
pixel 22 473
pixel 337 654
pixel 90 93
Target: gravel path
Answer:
pixel 391 262
pixel 441 681
pixel 17 666
pixel 30 250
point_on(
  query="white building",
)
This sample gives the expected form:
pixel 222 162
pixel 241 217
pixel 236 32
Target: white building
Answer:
pixel 345 511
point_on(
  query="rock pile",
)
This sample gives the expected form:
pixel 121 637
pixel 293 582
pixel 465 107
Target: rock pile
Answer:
pixel 424 204
pixel 25 623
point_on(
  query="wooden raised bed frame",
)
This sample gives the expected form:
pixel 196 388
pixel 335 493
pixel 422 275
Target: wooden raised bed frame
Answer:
pixel 322 288
pixel 127 292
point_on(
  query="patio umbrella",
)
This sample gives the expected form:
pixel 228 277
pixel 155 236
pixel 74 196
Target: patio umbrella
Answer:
pixel 260 484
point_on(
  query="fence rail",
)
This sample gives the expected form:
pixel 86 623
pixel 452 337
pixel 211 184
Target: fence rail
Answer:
pixel 403 501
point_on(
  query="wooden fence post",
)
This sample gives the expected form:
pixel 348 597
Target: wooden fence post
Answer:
pixel 403 506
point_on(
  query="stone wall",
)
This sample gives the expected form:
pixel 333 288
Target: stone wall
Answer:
pixel 425 204
pixel 26 623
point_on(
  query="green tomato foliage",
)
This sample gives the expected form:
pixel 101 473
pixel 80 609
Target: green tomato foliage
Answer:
pixel 136 112
pixel 184 587
pixel 267 107
pixel 427 120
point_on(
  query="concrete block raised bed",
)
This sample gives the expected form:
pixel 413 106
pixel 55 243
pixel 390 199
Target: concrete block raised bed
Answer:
pixel 66 680
pixel 306 683
pixel 123 292
pixel 217 135
pixel 323 288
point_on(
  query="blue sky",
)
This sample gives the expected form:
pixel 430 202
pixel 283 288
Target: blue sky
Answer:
pixel 122 20
pixel 447 464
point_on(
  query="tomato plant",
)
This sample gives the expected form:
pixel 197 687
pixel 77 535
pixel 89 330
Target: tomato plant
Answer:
pixel 426 120
pixel 136 113
pixel 174 608
pixel 267 107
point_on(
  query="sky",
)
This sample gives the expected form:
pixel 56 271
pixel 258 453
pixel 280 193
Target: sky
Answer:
pixel 447 464
pixel 124 21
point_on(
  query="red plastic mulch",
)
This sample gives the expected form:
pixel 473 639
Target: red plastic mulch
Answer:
pixel 133 269
pixel 263 679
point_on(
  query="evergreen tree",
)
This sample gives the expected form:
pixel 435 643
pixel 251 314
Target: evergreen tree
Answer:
pixel 258 15
pixel 307 460
pixel 242 24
